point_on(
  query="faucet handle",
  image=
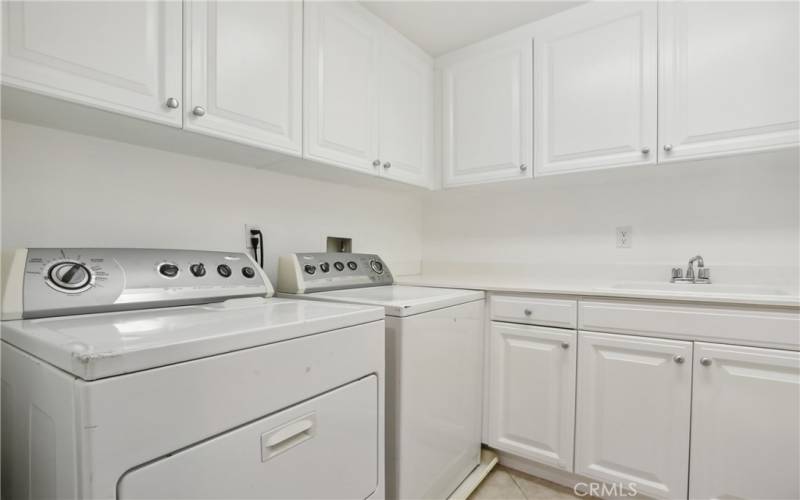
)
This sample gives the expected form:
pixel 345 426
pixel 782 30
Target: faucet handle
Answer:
pixel 677 272
pixel 704 273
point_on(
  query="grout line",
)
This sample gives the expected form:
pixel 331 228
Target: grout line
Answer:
pixel 514 480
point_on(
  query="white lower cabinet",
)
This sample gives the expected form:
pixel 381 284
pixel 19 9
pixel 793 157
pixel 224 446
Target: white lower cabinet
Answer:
pixel 633 412
pixel 745 423
pixel 532 387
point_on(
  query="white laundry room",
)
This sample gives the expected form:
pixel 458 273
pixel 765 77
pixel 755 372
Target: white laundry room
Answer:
pixel 400 249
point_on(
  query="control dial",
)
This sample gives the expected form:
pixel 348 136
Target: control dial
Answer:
pixel 69 276
pixel 224 270
pixel 168 270
pixel 198 270
pixel 376 266
pixel 338 265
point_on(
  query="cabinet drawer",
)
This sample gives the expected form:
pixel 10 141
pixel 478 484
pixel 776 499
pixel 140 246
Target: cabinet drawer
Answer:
pixel 764 327
pixel 534 310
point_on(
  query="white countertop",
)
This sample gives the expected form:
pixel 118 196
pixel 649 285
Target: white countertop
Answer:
pixel 763 296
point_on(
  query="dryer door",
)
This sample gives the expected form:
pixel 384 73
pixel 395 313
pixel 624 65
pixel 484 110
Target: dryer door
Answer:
pixel 326 447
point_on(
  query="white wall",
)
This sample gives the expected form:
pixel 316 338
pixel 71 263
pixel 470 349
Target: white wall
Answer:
pixel 736 212
pixel 64 189
pixel 741 213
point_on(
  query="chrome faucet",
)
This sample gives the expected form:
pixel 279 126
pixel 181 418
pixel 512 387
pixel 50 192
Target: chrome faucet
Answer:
pixel 703 275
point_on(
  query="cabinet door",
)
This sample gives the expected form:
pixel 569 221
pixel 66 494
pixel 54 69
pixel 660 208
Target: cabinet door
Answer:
pixel 745 414
pixel 340 82
pixel 123 57
pixel 406 112
pixel 243 72
pixel 595 90
pixel 532 392
pixel 632 423
pixel 486 116
pixel 728 77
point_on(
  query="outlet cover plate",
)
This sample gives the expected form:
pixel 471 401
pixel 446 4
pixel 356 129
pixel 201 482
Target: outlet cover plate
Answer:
pixel 624 237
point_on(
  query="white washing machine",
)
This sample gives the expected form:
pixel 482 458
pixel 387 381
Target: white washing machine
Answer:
pixel 168 374
pixel 434 345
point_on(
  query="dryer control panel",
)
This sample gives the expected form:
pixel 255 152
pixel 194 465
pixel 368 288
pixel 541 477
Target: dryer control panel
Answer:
pixel 46 282
pixel 316 272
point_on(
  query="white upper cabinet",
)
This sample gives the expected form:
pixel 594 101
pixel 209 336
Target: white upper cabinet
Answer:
pixel 341 81
pixel 368 95
pixel 123 57
pixel 728 77
pixel 633 406
pixel 745 414
pixel 243 64
pixel 595 87
pixel 486 114
pixel 406 111
pixel 532 392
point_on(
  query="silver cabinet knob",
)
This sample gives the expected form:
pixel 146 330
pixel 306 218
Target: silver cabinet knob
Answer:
pixel 565 345
pixel 199 111
pixel 528 312
pixel 173 103
pixel 678 359
pixel 387 165
pixel 523 167
pixel 645 150
pixel 376 163
pixel 667 147
pixel 705 361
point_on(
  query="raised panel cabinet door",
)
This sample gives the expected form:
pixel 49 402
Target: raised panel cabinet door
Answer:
pixel 532 392
pixel 728 78
pixel 633 406
pixel 745 423
pixel 244 72
pixel 486 116
pixel 405 111
pixel 123 57
pixel 595 88
pixel 342 43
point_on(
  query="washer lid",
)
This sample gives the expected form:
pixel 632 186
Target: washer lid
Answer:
pixel 96 346
pixel 400 300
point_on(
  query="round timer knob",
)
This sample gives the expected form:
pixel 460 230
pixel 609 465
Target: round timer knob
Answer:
pixel 198 270
pixel 168 270
pixel 70 275
pixel 224 270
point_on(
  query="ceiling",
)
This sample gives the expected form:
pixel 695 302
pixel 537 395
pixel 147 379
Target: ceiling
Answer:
pixel 439 26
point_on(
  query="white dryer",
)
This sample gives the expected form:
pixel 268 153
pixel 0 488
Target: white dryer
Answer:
pixel 127 374
pixel 434 346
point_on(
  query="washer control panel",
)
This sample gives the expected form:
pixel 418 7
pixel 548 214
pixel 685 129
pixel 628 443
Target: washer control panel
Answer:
pixel 61 281
pixel 316 272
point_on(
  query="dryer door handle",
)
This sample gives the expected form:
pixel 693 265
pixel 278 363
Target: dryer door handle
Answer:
pixel 287 436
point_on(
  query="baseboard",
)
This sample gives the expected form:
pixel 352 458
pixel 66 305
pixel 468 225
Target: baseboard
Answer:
pixel 567 479
pixel 471 482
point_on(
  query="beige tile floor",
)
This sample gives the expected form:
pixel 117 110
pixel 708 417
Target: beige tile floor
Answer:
pixel 508 484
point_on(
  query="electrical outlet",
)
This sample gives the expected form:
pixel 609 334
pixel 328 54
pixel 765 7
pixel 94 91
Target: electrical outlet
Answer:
pixel 247 228
pixel 624 237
